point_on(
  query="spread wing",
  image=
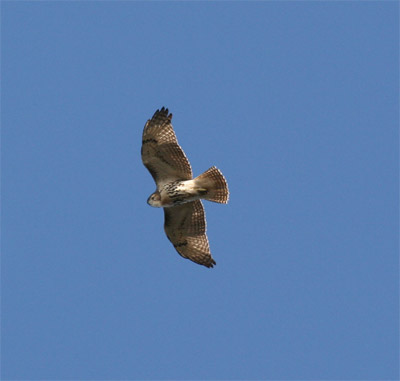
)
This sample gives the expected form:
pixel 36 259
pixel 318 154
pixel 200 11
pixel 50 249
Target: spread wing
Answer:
pixel 161 153
pixel 185 226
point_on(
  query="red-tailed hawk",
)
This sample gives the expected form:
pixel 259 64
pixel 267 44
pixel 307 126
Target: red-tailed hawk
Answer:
pixel 177 192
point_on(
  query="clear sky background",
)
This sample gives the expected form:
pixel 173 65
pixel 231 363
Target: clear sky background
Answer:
pixel 296 102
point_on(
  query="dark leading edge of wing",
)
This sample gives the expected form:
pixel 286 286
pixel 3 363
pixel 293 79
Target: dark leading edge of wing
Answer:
pixel 161 153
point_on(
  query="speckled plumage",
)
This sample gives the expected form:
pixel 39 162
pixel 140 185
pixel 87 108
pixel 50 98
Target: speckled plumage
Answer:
pixel 177 192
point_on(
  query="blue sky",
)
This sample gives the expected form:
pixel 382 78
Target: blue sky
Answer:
pixel 296 102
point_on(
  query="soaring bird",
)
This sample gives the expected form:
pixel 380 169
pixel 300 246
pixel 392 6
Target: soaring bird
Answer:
pixel 178 193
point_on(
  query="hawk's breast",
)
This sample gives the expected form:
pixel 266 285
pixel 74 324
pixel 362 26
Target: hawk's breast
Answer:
pixel 177 193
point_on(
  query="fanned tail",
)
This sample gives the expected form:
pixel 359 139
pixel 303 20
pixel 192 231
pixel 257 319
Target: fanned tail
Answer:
pixel 213 186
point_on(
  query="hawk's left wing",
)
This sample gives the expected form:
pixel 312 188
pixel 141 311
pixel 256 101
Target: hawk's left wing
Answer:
pixel 161 153
pixel 185 226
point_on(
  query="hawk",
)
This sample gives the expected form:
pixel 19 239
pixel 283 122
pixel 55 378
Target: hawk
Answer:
pixel 178 193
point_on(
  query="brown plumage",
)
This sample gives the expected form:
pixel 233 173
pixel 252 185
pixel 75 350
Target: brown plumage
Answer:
pixel 177 192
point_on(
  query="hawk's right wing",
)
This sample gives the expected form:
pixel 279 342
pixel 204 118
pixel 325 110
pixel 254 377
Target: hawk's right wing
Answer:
pixel 185 226
pixel 161 153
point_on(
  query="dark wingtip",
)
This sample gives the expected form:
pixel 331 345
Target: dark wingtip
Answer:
pixel 211 264
pixel 164 111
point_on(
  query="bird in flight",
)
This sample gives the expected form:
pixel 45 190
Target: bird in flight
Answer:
pixel 178 193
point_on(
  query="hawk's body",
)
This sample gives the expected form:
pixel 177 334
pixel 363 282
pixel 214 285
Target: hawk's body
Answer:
pixel 177 192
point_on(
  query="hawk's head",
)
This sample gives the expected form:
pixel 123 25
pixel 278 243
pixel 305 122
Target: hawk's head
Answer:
pixel 155 200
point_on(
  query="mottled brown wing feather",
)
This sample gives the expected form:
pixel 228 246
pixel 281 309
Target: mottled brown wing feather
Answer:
pixel 161 153
pixel 185 226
